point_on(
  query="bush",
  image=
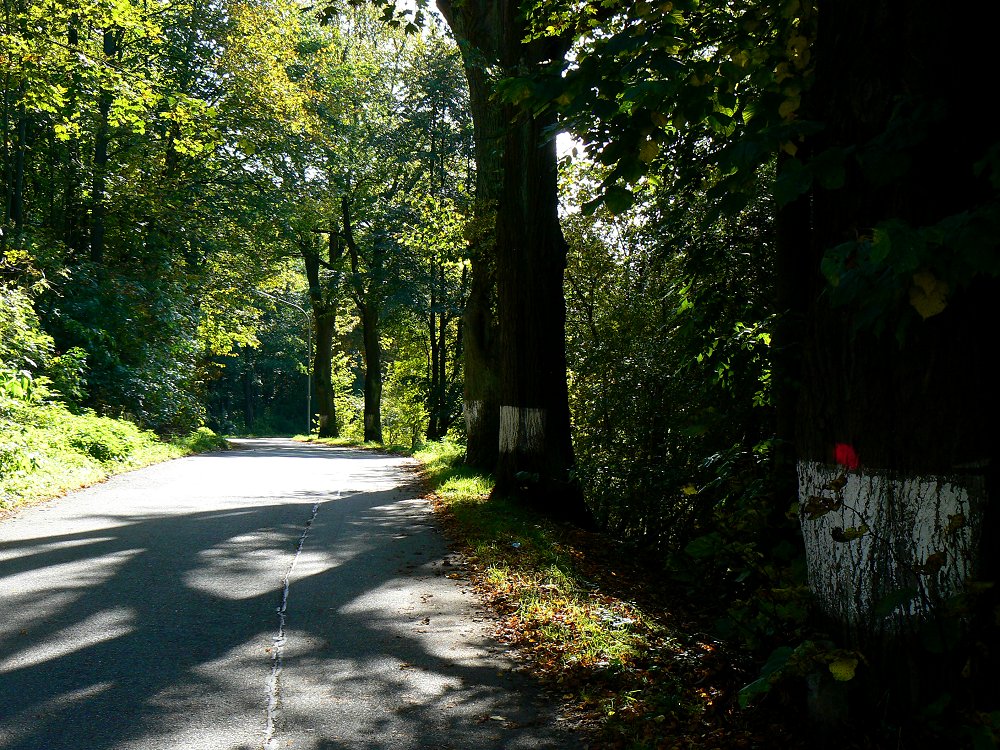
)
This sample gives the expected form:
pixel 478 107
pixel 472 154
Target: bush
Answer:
pixel 68 374
pixel 105 439
pixel 23 343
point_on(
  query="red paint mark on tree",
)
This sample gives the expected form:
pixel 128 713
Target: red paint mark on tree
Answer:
pixel 845 455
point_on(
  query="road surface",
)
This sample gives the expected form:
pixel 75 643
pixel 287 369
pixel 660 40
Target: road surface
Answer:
pixel 279 595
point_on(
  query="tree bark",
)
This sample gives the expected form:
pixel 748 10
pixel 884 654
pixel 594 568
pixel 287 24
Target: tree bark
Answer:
pixel 98 206
pixel 326 405
pixel 433 390
pixel 371 320
pixel 373 372
pixel 324 315
pixel 536 450
pixel 477 27
pixel 896 437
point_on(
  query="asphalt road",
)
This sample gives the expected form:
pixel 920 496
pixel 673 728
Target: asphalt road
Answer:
pixel 279 595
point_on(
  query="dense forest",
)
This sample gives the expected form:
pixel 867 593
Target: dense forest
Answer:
pixel 716 280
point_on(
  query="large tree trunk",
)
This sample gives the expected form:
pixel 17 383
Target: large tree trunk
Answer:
pixel 324 317
pixel 896 437
pixel 535 453
pixel 371 320
pixel 434 322
pixel 536 450
pixel 98 206
pixel 477 26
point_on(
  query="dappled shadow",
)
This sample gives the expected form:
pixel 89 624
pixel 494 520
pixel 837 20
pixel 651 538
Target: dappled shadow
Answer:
pixel 155 630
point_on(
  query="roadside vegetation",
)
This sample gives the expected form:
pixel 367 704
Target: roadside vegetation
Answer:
pixel 48 444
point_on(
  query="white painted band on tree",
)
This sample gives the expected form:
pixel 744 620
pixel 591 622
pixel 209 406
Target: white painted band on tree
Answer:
pixel 473 412
pixel 521 430
pixel 871 539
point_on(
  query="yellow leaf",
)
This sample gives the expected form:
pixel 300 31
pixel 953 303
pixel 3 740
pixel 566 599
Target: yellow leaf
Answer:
pixel 843 669
pixel 789 148
pixel 788 107
pixel 689 489
pixel 928 295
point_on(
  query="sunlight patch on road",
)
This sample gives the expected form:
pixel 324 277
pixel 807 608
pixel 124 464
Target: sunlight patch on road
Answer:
pixel 33 595
pixel 98 628
pixel 52 707
pixel 243 567
pixel 43 546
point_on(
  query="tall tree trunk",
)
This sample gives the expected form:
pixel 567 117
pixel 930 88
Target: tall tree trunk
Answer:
pixel 73 223
pixel 250 395
pixel 433 404
pixel 370 314
pixel 326 406
pixel 536 450
pixel 477 27
pixel 14 143
pixel 895 438
pixel 373 372
pixel 324 315
pixel 98 208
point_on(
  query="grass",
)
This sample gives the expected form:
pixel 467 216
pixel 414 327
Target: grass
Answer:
pixel 46 450
pixel 594 645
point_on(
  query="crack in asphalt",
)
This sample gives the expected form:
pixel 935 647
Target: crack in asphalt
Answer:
pixel 277 650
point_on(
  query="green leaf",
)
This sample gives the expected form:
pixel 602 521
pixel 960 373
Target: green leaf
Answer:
pixel 775 663
pixel 843 669
pixel 618 199
pixel 893 600
pixel 828 168
pixel 849 534
pixel 705 546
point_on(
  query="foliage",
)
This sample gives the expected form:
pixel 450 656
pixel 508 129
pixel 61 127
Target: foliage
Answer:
pixel 46 449
pixel 45 446
pixel 22 344
pixel 668 331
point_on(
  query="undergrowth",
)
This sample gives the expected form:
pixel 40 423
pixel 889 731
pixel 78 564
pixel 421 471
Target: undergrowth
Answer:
pixel 594 622
pixel 45 449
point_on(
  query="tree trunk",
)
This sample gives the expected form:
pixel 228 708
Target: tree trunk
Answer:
pixel 536 450
pixel 73 226
pixel 98 207
pixel 433 403
pixel 326 406
pixel 370 314
pixel 373 373
pixel 477 27
pixel 324 315
pixel 895 438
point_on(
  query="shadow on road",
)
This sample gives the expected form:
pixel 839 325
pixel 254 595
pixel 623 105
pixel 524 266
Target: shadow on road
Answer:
pixel 136 629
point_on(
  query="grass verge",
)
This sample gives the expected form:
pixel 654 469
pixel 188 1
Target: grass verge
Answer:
pixel 594 623
pixel 46 450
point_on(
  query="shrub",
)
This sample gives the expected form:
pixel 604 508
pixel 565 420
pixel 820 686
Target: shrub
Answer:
pixel 105 439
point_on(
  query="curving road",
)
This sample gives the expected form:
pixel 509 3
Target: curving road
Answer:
pixel 280 595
